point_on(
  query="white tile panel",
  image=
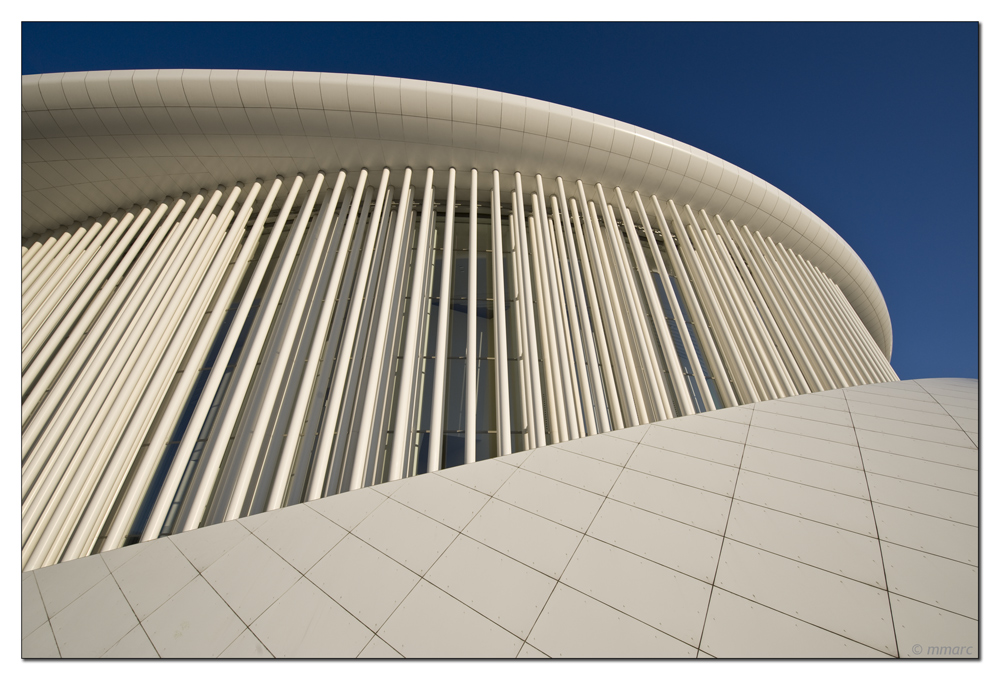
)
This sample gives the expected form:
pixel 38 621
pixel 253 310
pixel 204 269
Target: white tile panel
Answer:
pixel 809 502
pixel 933 580
pixel 32 610
pixel 246 646
pixel 719 428
pixel 412 539
pixel 922 498
pixel 807 411
pixel 484 476
pixel 348 509
pixel 835 550
pixel 431 623
pixel 686 504
pixel 363 581
pixel 153 576
pixel 806 471
pixel 840 605
pixel 135 645
pixel 63 583
pixel 40 644
pixel 928 534
pixel 562 503
pixel 925 433
pixel 681 547
pixel 605 447
pixel 250 577
pixel 740 628
pixel 580 471
pixel 709 448
pixel 93 623
pixel 441 499
pixel 300 535
pixel 677 467
pixel 533 540
pixel 926 632
pixel 378 649
pixel 923 471
pixel 937 452
pixel 809 428
pixel 502 589
pixel 665 599
pixel 824 450
pixel 576 626
pixel 305 623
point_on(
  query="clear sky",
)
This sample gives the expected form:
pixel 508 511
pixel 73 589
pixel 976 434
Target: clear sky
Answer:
pixel 873 127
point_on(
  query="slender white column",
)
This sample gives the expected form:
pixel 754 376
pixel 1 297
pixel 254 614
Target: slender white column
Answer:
pixel 51 242
pixel 349 346
pixel 67 350
pixel 628 376
pixel 49 508
pixel 594 408
pixel 796 361
pixel 843 360
pixel 154 452
pixel 818 332
pixel 41 267
pixel 287 455
pixel 654 378
pixel 739 317
pixel 582 397
pixel 39 314
pixel 441 345
pixel 766 326
pixel 872 369
pixel 682 330
pixel 538 419
pixel 676 373
pixel 402 433
pixel 213 457
pixel 382 287
pixel 610 325
pixel 29 254
pixel 66 264
pixel 546 301
pixel 83 367
pixel 564 388
pixel 794 309
pixel 859 369
pixel 161 342
pixel 711 307
pixel 718 305
pixel 574 415
pixel 694 309
pixel 603 375
pixel 500 321
pixel 527 410
pixel 471 351
pixel 873 352
pixel 296 300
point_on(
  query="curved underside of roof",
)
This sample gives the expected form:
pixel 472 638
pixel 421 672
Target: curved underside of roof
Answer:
pixel 95 142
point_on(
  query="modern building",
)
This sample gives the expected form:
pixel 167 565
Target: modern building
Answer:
pixel 248 295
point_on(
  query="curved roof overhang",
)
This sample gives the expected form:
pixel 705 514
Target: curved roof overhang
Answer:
pixel 94 142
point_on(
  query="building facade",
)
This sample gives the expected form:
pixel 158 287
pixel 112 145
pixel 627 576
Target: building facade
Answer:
pixel 246 290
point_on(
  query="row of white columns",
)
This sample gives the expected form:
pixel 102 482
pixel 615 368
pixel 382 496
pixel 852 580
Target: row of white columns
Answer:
pixel 120 316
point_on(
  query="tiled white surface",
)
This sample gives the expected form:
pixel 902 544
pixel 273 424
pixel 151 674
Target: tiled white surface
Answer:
pixel 923 631
pixel 805 565
pixel 498 587
pixel 840 605
pixel 304 622
pixel 739 628
pixel 362 580
pixel 431 623
pixel 412 539
pixel 662 598
pixel 577 626
pixel 717 429
pixel 195 622
pixel 301 536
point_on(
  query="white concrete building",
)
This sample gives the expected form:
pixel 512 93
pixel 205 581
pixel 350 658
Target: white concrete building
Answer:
pixel 243 291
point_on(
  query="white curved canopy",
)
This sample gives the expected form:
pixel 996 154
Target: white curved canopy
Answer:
pixel 94 142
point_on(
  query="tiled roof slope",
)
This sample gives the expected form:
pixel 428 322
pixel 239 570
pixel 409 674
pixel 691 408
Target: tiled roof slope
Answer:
pixel 839 524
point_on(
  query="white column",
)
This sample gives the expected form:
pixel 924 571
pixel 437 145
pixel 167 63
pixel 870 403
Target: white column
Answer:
pixel 603 376
pixel 524 369
pixel 154 452
pixel 582 397
pixel 659 320
pixel 694 308
pixel 682 330
pixel 586 354
pixel 500 322
pixel 441 348
pixel 553 388
pixel 471 350
pixel 538 418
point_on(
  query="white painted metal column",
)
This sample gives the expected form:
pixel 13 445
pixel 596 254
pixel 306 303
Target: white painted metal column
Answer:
pixel 471 350
pixel 444 313
pixel 538 418
pixel 500 321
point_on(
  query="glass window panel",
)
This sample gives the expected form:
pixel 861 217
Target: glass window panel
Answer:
pixel 454 396
pixel 459 331
pixel 460 276
pixel 486 445
pixel 454 449
pixel 485 332
pixel 486 395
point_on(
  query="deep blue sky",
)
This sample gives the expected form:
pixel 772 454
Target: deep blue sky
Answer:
pixel 874 127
